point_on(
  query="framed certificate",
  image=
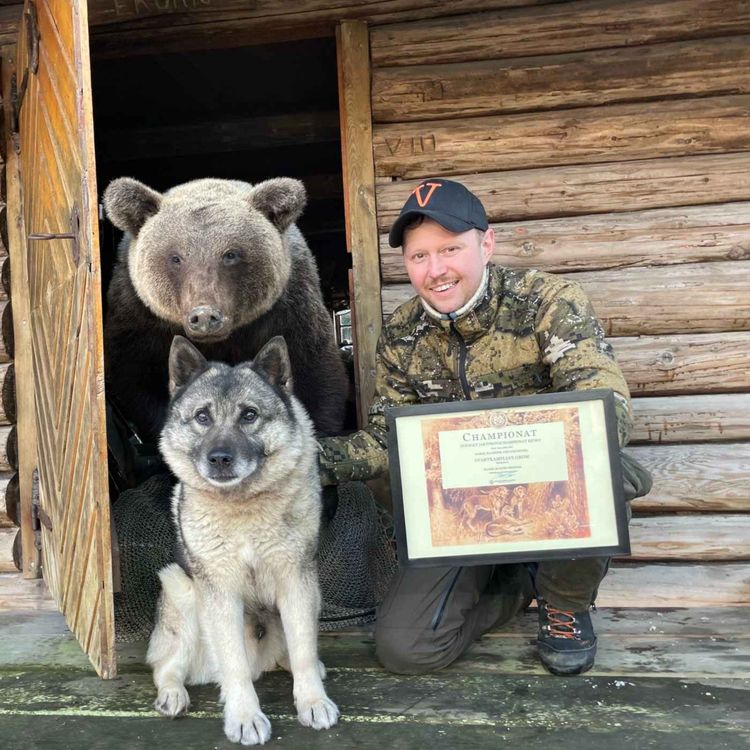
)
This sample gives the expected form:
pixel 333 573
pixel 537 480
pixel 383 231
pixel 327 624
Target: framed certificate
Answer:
pixel 502 480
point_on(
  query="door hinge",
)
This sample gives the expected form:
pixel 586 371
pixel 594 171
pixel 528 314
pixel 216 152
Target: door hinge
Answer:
pixel 39 516
pixel 74 234
pixel 18 93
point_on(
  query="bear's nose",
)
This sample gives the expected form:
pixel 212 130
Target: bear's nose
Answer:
pixel 204 320
pixel 220 457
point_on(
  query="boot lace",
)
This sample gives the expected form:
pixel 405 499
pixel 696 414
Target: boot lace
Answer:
pixel 561 624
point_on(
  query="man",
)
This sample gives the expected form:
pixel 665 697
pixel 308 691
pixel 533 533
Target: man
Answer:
pixel 476 330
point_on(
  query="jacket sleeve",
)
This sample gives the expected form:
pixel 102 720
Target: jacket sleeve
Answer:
pixel 574 347
pixel 364 454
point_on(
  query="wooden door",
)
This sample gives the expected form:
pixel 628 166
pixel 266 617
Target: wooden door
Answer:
pixel 58 188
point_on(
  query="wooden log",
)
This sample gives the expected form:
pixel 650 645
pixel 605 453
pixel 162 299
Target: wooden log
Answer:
pixel 5 279
pixel 696 477
pixel 133 27
pixel 9 489
pixel 20 595
pixel 21 410
pixel 701 297
pixel 359 202
pixel 693 537
pixel 493 87
pixel 680 419
pixel 6 332
pixel 642 238
pixel 144 14
pixel 591 24
pixel 589 135
pixel 7 537
pixel 675 585
pixel 10 21
pixel 548 192
pixel 7 393
pixel 5 434
pixel 11 448
pixel 685 364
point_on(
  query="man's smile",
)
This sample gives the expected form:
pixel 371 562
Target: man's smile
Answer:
pixel 443 287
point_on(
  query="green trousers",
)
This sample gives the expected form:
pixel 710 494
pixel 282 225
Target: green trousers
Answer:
pixel 430 616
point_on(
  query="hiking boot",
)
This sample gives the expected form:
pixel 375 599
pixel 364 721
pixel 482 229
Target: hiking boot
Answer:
pixel 566 640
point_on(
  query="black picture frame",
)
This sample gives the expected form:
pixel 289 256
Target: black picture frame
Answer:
pixel 589 520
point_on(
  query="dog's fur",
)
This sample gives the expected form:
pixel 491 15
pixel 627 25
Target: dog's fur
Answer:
pixel 247 511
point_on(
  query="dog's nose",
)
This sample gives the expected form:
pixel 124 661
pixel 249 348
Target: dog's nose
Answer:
pixel 220 457
pixel 204 320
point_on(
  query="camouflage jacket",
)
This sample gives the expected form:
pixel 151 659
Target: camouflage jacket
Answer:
pixel 530 332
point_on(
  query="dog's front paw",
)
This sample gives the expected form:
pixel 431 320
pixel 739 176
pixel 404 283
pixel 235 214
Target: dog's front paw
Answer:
pixel 321 713
pixel 172 701
pixel 249 727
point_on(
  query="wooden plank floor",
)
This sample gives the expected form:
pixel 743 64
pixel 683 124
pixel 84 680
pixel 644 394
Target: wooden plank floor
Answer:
pixel 672 678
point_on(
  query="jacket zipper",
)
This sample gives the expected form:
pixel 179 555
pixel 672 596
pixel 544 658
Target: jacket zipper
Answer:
pixel 462 352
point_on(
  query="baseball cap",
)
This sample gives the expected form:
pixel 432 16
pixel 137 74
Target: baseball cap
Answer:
pixel 449 203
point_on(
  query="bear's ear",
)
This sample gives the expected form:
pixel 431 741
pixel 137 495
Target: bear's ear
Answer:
pixel 129 203
pixel 273 361
pixel 281 200
pixel 185 363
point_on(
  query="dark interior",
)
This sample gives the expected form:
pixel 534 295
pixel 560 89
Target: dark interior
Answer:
pixel 247 114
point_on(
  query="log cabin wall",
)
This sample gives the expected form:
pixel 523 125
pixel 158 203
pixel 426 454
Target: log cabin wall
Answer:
pixel 610 142
pixel 9 489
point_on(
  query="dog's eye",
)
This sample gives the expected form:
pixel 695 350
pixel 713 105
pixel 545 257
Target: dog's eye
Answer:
pixel 231 257
pixel 202 417
pixel 249 415
pixel 175 260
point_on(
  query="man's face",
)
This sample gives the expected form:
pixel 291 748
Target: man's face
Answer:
pixel 446 268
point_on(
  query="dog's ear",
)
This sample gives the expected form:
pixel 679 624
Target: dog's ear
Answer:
pixel 185 363
pixel 273 361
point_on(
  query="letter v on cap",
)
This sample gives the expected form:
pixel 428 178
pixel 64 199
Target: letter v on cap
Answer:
pixel 418 192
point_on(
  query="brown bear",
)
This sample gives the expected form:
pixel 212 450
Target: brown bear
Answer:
pixel 221 262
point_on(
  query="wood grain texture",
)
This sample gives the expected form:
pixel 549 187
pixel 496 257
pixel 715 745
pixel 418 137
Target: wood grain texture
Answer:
pixel 664 236
pixel 7 535
pixel 695 537
pixel 11 503
pixel 591 24
pixel 18 406
pixel 549 192
pixel 589 135
pixel 681 419
pixel 699 297
pixel 685 364
pixel 5 461
pixel 359 203
pixel 675 585
pixel 65 327
pixel 8 407
pixel 493 87
pixel 132 27
pixel 19 595
pixel 696 477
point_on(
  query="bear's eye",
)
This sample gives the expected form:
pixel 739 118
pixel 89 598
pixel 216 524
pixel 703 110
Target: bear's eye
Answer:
pixel 231 257
pixel 175 260
pixel 249 415
pixel 202 417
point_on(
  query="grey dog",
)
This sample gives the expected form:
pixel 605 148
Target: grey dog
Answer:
pixel 245 597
